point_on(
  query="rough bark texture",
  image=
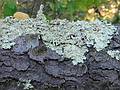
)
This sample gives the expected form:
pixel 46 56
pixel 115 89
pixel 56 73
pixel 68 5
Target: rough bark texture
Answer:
pixel 46 71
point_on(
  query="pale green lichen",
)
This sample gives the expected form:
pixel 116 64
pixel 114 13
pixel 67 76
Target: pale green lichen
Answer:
pixel 114 54
pixel 12 28
pixel 26 83
pixel 100 34
pixel 68 39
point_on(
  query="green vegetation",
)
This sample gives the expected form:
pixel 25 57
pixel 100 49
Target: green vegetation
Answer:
pixel 7 8
pixel 71 8
pixel 83 9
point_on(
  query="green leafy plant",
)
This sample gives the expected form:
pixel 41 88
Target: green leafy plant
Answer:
pixel 9 7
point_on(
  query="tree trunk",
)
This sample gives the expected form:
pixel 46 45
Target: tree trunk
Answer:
pixel 20 71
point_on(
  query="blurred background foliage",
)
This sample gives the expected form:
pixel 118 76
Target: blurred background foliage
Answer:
pixel 69 9
pixel 7 7
pixel 84 9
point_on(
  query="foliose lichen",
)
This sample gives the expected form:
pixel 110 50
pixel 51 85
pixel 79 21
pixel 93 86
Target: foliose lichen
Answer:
pixel 114 54
pixel 13 28
pixel 26 83
pixel 68 39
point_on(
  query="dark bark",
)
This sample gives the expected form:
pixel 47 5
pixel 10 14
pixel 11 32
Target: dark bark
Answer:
pixel 48 71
